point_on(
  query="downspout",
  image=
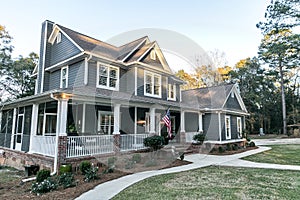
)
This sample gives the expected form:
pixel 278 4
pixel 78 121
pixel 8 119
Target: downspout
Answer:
pixel 86 69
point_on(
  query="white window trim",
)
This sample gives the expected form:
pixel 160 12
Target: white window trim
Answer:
pixel 229 135
pixel 169 92
pixel 239 128
pixel 44 124
pixel 67 76
pixel 110 125
pixel 152 80
pixel 107 83
pixel 58 38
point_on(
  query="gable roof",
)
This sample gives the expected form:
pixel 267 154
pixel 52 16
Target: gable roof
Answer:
pixel 211 97
pixel 131 52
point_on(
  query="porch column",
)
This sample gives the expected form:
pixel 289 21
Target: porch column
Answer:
pixel 182 127
pixel 117 119
pixel 13 128
pixel 1 120
pixel 220 126
pixel 116 133
pixel 83 117
pixel 34 121
pixel 200 123
pixel 61 133
pixel 152 121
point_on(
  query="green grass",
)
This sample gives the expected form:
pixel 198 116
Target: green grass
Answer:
pixel 8 174
pixel 279 154
pixel 218 183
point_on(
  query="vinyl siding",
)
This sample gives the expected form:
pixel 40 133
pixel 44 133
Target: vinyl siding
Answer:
pixel 76 74
pixel 211 126
pixel 63 50
pixel 54 80
pixel 232 103
pixel 191 122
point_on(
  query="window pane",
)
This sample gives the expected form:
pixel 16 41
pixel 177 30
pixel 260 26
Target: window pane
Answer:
pixel 20 124
pixel 103 71
pixel 156 85
pixel 103 80
pixel 40 124
pixel 113 73
pixel 50 128
pixel 112 82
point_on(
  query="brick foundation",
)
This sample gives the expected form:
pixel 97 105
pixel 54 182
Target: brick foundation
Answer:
pixel 18 159
pixel 182 138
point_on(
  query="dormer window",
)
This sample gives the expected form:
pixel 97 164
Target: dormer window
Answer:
pixel 152 84
pixel 107 77
pixel 153 55
pixel 58 38
pixel 64 77
pixel 171 92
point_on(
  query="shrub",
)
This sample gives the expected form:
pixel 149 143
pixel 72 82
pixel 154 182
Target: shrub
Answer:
pixel 137 158
pixel 91 174
pixel 109 170
pixel 235 147
pixel 85 166
pixel 150 163
pixel 252 144
pixel 228 147
pixel 65 168
pixel 200 137
pixel 45 186
pixel 66 180
pixel 129 164
pixel 154 142
pixel 111 161
pixel 181 155
pixel 42 175
pixel 221 149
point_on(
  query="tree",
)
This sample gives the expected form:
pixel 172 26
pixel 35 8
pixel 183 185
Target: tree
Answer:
pixel 15 74
pixel 19 81
pixel 191 82
pixel 280 48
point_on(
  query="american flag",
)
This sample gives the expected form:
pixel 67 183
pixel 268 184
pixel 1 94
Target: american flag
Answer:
pixel 167 121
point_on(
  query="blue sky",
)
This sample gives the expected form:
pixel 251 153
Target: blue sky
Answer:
pixel 227 25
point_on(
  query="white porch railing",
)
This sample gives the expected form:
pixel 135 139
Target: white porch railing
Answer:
pixel 44 145
pixel 89 145
pixel 132 142
pixel 189 137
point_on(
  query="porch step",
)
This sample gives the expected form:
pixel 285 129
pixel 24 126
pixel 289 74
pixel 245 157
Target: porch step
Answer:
pixel 177 147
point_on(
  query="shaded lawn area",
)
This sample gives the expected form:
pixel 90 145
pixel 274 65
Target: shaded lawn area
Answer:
pixel 288 154
pixel 218 183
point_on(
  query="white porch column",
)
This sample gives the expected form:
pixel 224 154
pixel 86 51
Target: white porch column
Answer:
pixel 220 126
pixel 200 122
pixel 62 113
pixel 182 121
pixel 34 121
pixel 83 117
pixel 117 119
pixel 135 120
pixel 1 120
pixel 152 120
pixel 13 128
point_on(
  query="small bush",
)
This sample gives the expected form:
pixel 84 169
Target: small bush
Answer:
pixel 42 175
pixel 155 142
pixel 111 161
pixel 129 164
pixel 85 166
pixel 252 144
pixel 109 170
pixel 137 158
pixel 65 168
pixel 181 155
pixel 228 147
pixel 47 185
pixel 221 149
pixel 200 137
pixel 150 163
pixel 235 147
pixel 91 174
pixel 66 180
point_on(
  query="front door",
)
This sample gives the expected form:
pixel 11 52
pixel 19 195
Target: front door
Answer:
pixel 19 132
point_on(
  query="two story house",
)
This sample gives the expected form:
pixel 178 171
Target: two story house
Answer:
pixel 94 98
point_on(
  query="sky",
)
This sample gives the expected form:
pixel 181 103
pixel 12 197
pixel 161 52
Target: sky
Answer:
pixel 226 25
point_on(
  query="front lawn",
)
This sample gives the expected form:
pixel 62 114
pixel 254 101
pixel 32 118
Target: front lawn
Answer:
pixel 279 154
pixel 218 183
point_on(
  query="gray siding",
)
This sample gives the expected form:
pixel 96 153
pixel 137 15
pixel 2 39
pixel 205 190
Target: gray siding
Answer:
pixel 140 82
pixel 211 126
pixel 164 93
pixel 92 74
pixel 54 80
pixel 127 81
pixel 90 119
pixel 232 103
pixel 149 61
pixel 46 81
pixel 76 74
pixel 191 122
pixel 127 120
pixel 63 50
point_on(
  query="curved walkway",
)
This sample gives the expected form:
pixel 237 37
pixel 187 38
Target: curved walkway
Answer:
pixel 109 189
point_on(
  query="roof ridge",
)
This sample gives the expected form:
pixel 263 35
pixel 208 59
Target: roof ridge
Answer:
pixel 214 86
pixel 87 36
pixel 133 41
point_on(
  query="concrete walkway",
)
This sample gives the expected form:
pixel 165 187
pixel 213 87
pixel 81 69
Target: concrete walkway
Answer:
pixel 109 189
